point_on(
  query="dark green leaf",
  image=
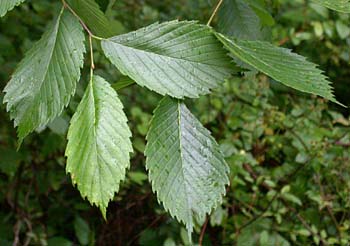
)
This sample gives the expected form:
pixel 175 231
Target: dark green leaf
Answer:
pixel 82 231
pixel 282 65
pixel 45 80
pixel 236 18
pixel 89 11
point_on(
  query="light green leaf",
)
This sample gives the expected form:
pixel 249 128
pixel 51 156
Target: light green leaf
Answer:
pixel 186 167
pixel 98 144
pixel 7 5
pixel 236 18
pixel 292 198
pixel 337 5
pixel 89 11
pixel 342 29
pixel 218 216
pixel 45 80
pixel 173 58
pixel 282 65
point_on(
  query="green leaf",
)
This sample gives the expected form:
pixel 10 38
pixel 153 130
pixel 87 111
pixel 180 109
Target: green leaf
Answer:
pixel 337 5
pixel 123 82
pixel 342 29
pixel 9 161
pixel 236 18
pixel 45 80
pixel 82 230
pixel 264 15
pixel 186 167
pixel 58 241
pixel 173 58
pixel 99 146
pixel 89 11
pixel 282 65
pixel 7 5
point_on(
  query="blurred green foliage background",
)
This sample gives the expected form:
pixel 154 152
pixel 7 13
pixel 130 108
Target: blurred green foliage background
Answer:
pixel 289 153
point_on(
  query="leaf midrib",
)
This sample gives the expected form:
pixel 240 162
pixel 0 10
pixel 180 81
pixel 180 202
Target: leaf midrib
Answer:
pixel 94 129
pixel 42 79
pixel 57 25
pixel 166 57
pixel 181 157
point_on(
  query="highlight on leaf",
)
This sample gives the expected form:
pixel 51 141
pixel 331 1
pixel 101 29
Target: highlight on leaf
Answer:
pixel 186 168
pixel 7 5
pixel 99 146
pixel 337 5
pixel 176 58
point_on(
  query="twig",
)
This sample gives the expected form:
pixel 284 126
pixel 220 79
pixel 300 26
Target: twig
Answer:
pixel 286 179
pixel 214 12
pixel 255 218
pixel 305 224
pixel 66 5
pixel 91 35
pixel 154 222
pixel 345 145
pixel 16 230
pixel 299 139
pixel 285 202
pixel 201 237
pixel 91 56
pixel 329 209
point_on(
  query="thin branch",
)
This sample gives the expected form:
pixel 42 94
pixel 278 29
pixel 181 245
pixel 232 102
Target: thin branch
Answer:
pixel 201 237
pixel 91 55
pixel 285 202
pixel 329 209
pixel 66 5
pixel 214 12
pixel 304 222
pixel 255 218
pixel 299 139
pixel 16 230
pixel 91 35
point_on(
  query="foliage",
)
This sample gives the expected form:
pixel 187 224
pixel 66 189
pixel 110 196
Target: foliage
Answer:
pixel 194 177
pixel 44 82
pixel 281 65
pixel 338 5
pixel 287 152
pixel 98 144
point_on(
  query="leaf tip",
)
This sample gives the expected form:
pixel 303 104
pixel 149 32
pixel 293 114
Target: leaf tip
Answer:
pixel 103 210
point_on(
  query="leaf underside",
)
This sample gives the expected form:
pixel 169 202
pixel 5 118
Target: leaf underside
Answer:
pixel 45 80
pixel 282 65
pixel 181 59
pixel 186 167
pixel 99 146
pixel 337 5
pixel 7 5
